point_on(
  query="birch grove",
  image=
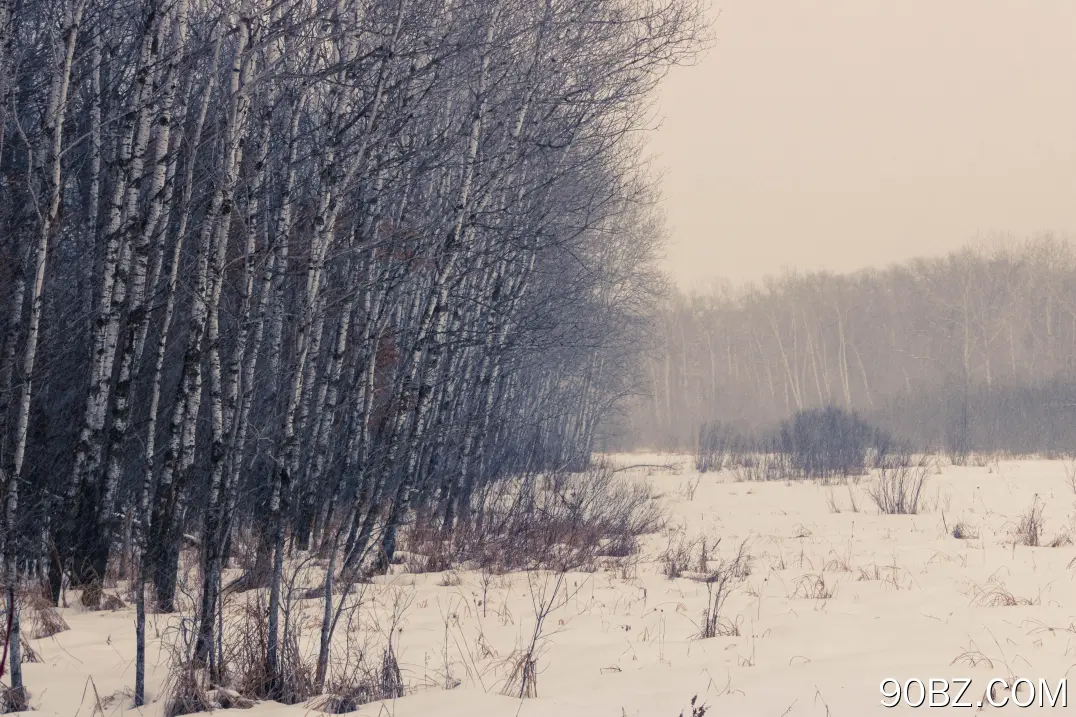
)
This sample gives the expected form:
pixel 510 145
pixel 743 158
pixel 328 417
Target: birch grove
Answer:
pixel 301 271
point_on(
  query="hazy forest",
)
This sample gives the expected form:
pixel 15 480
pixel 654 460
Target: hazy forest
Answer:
pixel 974 351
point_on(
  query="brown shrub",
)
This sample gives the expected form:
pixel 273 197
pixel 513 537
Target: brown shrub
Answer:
pixel 562 521
pixel 41 618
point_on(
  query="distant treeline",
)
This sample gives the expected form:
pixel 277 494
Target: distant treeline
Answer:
pixel 973 351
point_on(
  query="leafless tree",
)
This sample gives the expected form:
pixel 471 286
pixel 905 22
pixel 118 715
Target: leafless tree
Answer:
pixel 301 269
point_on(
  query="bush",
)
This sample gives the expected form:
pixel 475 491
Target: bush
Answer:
pixel 899 488
pixel 559 521
pixel 40 618
pixel 719 582
pixel 719 447
pixel 765 464
pixel 829 442
pixel 1029 531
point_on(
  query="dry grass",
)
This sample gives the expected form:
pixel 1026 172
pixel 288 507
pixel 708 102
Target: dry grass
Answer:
pixel 560 521
pixel 450 579
pixel 720 582
pixel 682 552
pixel 852 503
pixel 898 490
pixel 888 575
pixel 1070 473
pixel 40 618
pixel 29 654
pixel 95 598
pixel 964 531
pixel 385 682
pixel 366 669
pixel 812 586
pixel 698 709
pixel 360 674
pixel 973 657
pixel 113 602
pixel 1061 540
pixel 186 694
pixel 838 564
pixel 245 647
pixel 1029 530
pixel 869 572
pixel 522 679
pixel 688 489
pixel 995 594
pixel 13 700
pixel 831 498
pixel 762 466
pixel 92 596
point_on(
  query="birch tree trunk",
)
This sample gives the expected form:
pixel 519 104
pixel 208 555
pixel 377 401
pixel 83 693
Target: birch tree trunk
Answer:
pixel 52 185
pixel 83 542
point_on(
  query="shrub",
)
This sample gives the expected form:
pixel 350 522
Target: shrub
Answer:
pixel 563 521
pixel 92 595
pixel 829 442
pixel 718 447
pixel 676 557
pixel 899 488
pixel 41 619
pixel 1029 530
pixel 765 464
pixel 719 583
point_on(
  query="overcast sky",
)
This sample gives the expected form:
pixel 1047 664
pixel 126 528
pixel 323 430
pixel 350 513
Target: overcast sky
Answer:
pixel 840 134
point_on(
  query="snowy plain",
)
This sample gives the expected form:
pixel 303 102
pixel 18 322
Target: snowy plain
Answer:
pixel 838 599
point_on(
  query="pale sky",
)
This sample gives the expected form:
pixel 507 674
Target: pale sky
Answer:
pixel 839 134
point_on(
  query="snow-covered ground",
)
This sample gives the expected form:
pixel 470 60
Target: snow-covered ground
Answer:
pixel 904 600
